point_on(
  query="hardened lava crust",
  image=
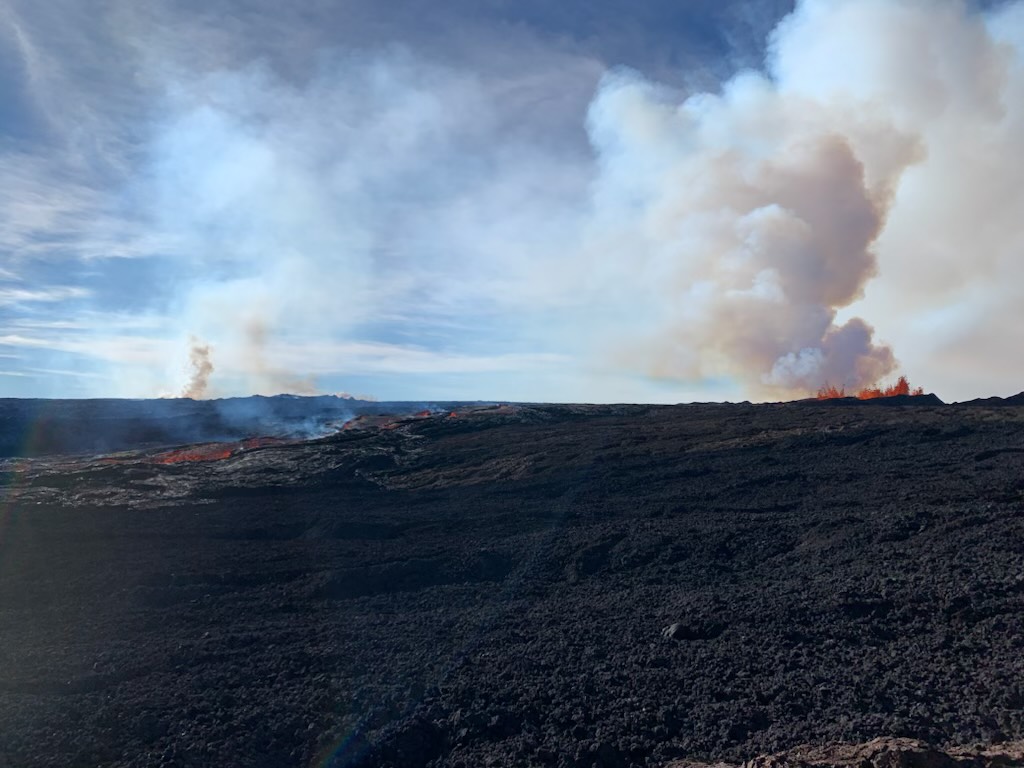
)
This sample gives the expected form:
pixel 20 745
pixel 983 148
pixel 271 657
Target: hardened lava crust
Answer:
pixel 580 586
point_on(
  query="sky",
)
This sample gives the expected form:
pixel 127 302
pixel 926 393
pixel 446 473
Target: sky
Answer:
pixel 654 201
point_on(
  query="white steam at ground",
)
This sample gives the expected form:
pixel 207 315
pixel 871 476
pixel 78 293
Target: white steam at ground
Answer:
pixel 201 367
pixel 867 178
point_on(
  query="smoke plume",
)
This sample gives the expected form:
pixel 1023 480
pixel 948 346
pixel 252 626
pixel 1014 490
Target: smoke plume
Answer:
pixel 751 216
pixel 267 377
pixel 739 230
pixel 751 238
pixel 202 368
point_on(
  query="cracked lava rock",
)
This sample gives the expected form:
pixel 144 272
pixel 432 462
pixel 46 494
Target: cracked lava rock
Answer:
pixel 579 586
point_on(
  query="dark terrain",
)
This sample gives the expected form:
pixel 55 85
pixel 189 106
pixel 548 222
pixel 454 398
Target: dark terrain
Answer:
pixel 46 427
pixel 520 586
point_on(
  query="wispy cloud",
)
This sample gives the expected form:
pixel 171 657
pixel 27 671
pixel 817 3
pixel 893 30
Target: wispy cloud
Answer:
pixel 52 213
pixel 369 358
pixel 112 349
pixel 90 321
pixel 9 296
pixel 67 372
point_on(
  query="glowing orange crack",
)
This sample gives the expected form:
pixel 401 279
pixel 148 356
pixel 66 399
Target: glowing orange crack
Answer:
pixel 215 451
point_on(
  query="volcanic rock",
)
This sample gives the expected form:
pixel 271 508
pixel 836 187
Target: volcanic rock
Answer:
pixel 491 589
pixel 880 753
pixel 31 428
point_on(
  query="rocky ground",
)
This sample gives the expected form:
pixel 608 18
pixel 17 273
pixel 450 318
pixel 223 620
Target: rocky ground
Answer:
pixel 523 586
pixel 881 753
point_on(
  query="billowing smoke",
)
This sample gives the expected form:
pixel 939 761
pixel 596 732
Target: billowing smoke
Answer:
pixel 201 369
pixel 744 226
pixel 754 236
pixel 750 216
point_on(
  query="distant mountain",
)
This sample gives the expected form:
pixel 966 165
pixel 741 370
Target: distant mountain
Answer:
pixel 997 402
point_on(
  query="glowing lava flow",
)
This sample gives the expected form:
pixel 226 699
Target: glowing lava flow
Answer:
pixel 215 451
pixel 901 387
pixel 207 452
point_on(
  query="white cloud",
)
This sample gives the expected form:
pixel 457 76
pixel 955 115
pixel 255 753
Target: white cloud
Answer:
pixel 369 358
pixel 48 214
pixel 9 296
pixel 67 373
pixel 111 349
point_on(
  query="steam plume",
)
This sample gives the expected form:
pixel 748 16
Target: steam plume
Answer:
pixel 753 214
pixel 202 368
pixel 266 376
pixel 750 219
pixel 732 237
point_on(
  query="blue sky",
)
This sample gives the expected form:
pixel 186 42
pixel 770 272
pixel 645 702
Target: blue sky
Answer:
pixel 573 201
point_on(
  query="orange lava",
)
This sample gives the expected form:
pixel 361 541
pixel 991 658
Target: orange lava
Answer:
pixel 830 392
pixel 901 387
pixel 208 452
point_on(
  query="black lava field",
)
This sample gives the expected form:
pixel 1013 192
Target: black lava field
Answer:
pixel 608 586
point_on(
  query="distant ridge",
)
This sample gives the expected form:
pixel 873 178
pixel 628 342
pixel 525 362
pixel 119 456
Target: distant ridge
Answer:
pixel 996 402
pixel 37 427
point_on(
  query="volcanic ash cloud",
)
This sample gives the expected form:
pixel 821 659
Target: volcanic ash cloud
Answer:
pixel 752 215
pixel 744 222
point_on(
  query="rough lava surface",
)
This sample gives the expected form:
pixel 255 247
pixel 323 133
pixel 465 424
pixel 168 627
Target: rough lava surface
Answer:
pixel 581 586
